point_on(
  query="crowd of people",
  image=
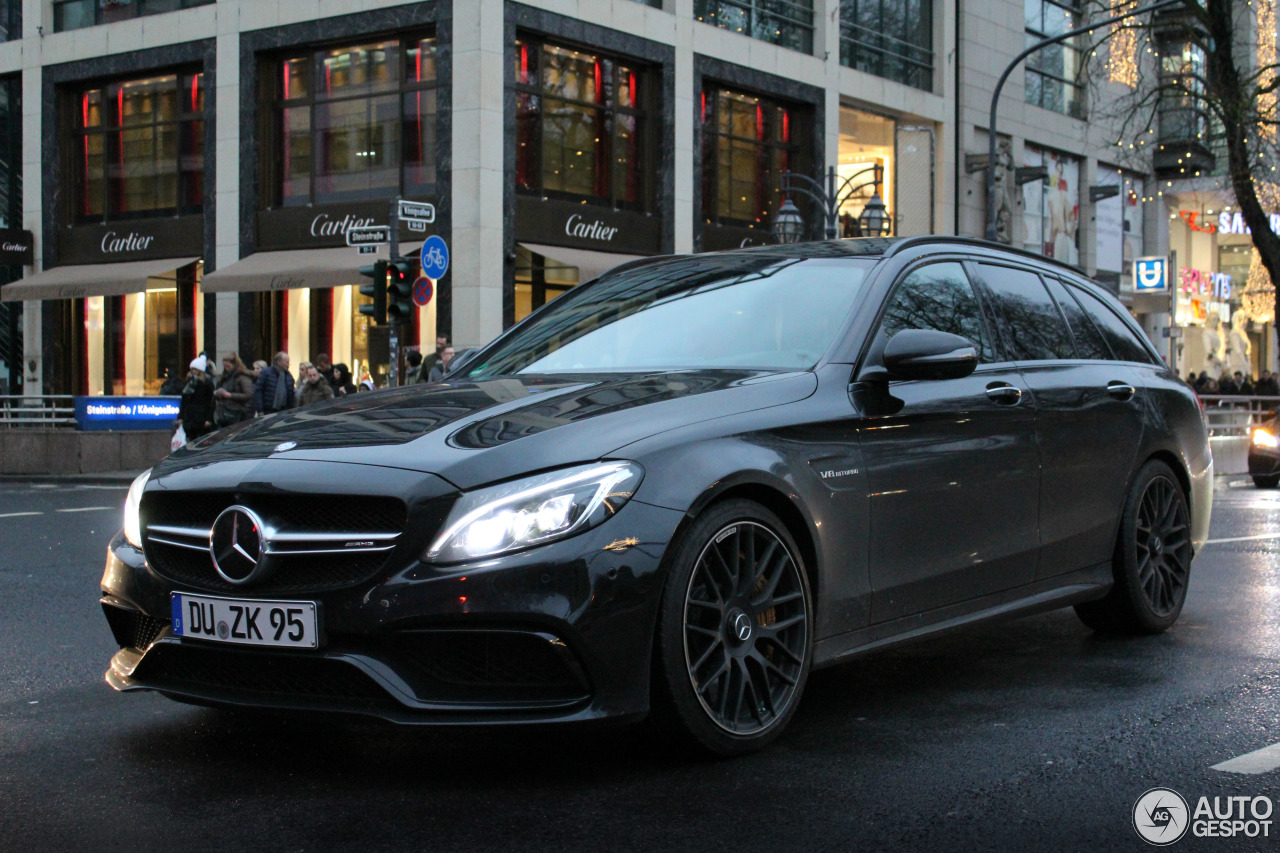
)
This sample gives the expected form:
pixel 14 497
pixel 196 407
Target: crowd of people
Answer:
pixel 1238 383
pixel 214 399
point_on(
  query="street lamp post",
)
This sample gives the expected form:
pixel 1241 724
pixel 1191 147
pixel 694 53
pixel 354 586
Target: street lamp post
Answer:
pixel 995 96
pixel 789 225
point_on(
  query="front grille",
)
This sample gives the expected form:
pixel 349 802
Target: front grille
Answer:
pixel 224 671
pixel 310 553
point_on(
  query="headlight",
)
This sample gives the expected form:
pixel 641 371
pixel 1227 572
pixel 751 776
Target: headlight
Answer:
pixel 132 527
pixel 533 511
pixel 1263 437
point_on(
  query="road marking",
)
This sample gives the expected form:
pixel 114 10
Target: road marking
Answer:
pixel 1244 538
pixel 84 508
pixel 1259 761
pixel 16 514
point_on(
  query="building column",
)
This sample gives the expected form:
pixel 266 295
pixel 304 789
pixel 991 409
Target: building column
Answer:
pixel 226 97
pixel 685 130
pixel 476 262
pixel 34 13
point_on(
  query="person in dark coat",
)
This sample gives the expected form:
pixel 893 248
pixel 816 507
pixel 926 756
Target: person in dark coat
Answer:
pixel 343 386
pixel 196 409
pixel 234 392
pixel 172 385
pixel 274 391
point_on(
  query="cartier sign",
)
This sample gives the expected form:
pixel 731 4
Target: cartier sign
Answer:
pixel 137 240
pixel 16 246
pixel 324 226
pixel 583 226
pixel 579 226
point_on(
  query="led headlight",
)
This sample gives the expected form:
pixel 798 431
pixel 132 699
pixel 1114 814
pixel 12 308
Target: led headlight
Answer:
pixel 534 510
pixel 132 527
pixel 1263 437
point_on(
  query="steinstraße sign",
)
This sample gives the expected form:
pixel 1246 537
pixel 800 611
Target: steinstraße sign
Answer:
pixel 17 247
pixel 97 413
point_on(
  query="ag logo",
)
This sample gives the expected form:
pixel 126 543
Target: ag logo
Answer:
pixel 1150 274
pixel 1160 816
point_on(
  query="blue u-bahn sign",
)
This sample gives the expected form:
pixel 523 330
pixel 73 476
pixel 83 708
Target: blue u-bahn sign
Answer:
pixel 98 413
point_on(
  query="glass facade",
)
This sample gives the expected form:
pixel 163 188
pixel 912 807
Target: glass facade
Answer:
pixel 889 38
pixel 866 141
pixel 136 149
pixel 10 20
pixel 351 123
pixel 1052 72
pixel 582 126
pixel 788 23
pixel 75 14
pixel 748 141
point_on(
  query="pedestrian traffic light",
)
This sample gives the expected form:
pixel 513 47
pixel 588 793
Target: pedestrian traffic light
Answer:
pixel 400 275
pixel 378 290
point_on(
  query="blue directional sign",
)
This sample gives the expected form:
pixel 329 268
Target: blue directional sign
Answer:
pixel 435 257
pixel 1150 274
pixel 94 413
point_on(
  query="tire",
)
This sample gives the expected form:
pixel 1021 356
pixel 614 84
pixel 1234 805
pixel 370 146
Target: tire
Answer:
pixel 735 634
pixel 1266 482
pixel 1152 561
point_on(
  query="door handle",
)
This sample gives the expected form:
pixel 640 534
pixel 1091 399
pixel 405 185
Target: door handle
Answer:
pixel 1121 390
pixel 1004 393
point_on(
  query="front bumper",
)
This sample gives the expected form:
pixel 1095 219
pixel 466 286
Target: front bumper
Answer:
pixel 558 633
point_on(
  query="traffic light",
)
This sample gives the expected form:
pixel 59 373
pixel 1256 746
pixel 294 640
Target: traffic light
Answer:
pixel 400 275
pixel 378 290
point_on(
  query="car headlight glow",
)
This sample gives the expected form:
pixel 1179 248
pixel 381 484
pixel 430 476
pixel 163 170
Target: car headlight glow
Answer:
pixel 132 526
pixel 1263 437
pixel 534 510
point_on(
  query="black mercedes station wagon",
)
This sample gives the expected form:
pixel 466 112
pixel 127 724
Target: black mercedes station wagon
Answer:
pixel 674 491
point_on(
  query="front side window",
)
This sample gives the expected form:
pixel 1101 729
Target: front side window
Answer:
pixel 889 38
pixel 137 148
pixel 939 297
pixel 696 312
pixel 353 123
pixel 784 22
pixel 582 125
pixel 748 141
pixel 1052 72
pixel 1035 329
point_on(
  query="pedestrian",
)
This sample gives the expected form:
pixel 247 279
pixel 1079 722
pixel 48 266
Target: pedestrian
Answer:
pixel 1267 385
pixel 325 366
pixel 258 367
pixel 274 392
pixel 234 392
pixel 1244 384
pixel 343 386
pixel 441 367
pixel 366 383
pixel 414 374
pixel 195 412
pixel 314 388
pixel 172 385
pixel 433 359
pixel 1227 385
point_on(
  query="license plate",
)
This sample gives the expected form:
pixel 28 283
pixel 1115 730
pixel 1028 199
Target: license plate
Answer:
pixel 250 622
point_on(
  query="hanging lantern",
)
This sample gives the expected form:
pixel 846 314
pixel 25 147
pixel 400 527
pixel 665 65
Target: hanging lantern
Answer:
pixel 1258 299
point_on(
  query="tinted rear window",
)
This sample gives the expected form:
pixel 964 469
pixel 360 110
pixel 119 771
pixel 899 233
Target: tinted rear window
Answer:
pixel 1122 339
pixel 1089 342
pixel 1034 327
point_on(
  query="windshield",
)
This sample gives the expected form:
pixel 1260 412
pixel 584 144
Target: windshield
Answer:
pixel 709 311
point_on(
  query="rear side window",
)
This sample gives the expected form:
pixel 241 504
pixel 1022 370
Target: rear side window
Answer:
pixel 1123 340
pixel 1089 342
pixel 1036 330
pixel 938 296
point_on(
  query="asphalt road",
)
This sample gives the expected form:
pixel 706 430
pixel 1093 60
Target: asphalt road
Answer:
pixel 1026 735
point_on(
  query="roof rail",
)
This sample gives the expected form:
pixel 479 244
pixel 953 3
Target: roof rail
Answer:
pixel 926 239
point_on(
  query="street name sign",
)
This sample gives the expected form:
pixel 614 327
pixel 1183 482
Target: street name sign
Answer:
pixel 422 210
pixel 371 236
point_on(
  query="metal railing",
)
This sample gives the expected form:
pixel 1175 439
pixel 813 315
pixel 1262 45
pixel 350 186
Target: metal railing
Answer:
pixel 1235 414
pixel 52 410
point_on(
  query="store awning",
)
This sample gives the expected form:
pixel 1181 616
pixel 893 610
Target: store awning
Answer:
pixel 78 281
pixel 589 263
pixel 297 268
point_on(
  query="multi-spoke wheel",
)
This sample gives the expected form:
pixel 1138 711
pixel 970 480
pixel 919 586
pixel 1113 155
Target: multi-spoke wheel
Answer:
pixel 1152 563
pixel 735 633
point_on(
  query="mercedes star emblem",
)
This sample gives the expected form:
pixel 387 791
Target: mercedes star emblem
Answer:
pixel 238 546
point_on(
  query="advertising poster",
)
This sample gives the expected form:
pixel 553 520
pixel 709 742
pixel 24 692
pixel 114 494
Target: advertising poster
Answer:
pixel 1051 210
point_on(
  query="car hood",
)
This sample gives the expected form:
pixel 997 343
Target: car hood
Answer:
pixel 475 432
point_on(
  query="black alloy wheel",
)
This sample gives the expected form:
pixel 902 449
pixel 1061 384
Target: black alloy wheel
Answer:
pixel 735 636
pixel 1152 563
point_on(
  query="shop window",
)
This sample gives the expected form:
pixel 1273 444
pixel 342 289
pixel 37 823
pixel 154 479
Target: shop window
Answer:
pixel 10 20
pixel 582 126
pixel 889 38
pixel 866 143
pixel 352 123
pixel 788 23
pixel 539 280
pixel 1052 72
pixel 75 14
pixel 137 149
pixel 748 141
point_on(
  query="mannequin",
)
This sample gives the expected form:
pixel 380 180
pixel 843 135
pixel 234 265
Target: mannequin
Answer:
pixel 1237 351
pixel 1212 337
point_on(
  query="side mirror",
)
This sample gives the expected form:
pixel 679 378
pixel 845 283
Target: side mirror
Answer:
pixel 929 354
